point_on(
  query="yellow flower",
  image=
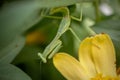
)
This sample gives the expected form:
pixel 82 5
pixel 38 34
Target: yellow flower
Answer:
pixel 96 60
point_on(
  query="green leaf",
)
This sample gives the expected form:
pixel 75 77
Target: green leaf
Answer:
pixel 58 3
pixel 10 52
pixel 10 72
pixel 115 4
pixel 112 27
pixel 15 18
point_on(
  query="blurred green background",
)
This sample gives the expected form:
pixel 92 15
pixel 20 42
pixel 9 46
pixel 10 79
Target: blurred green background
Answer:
pixel 26 28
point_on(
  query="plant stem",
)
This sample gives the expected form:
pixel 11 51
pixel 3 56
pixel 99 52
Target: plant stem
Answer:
pixel 97 11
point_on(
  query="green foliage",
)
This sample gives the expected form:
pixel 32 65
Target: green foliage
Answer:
pixel 19 18
pixel 8 54
pixel 10 72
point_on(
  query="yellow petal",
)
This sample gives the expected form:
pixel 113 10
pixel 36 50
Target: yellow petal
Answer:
pixel 104 55
pixel 69 67
pixel 85 56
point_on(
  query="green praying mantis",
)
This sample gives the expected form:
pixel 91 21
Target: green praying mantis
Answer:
pixel 56 43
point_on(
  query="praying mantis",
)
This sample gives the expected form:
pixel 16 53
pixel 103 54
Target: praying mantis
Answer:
pixel 56 43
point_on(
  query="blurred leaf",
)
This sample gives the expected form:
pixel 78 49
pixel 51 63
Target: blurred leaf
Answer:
pixel 87 10
pixel 15 18
pixel 67 42
pixel 58 3
pixel 115 4
pixel 112 27
pixel 28 61
pixel 10 52
pixel 79 30
pixel 10 72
